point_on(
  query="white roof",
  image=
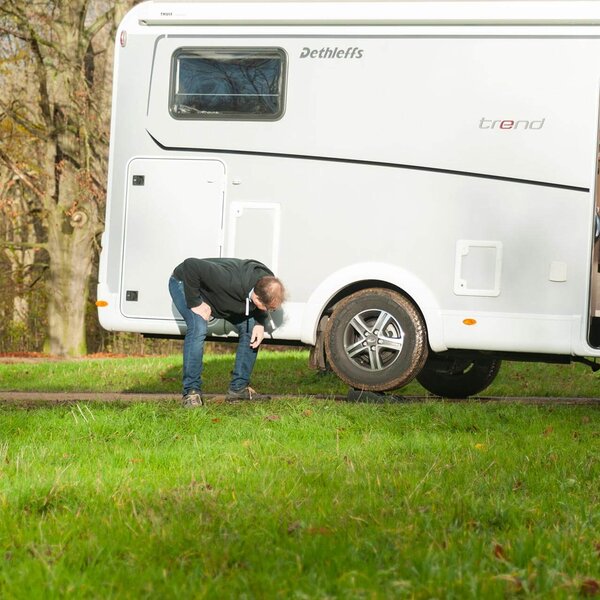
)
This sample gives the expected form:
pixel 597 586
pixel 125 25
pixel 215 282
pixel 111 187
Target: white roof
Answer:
pixel 465 12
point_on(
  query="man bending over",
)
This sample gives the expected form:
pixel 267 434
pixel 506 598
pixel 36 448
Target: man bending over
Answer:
pixel 240 291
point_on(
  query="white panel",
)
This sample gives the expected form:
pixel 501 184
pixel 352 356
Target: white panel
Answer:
pixel 558 271
pixel 548 334
pixel 478 268
pixel 254 232
pixel 174 213
pixel 385 106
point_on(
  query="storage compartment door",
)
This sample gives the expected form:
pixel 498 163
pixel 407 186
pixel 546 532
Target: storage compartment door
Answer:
pixel 254 232
pixel 174 210
pixel 594 311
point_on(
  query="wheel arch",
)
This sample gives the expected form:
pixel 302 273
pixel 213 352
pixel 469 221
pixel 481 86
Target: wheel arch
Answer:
pixel 348 280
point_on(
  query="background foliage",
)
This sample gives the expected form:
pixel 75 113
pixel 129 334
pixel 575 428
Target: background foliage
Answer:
pixel 56 69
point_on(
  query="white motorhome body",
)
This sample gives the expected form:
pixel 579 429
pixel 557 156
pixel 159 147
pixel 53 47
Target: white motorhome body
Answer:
pixel 421 175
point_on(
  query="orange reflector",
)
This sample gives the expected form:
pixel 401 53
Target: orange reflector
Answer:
pixel 101 303
pixel 470 322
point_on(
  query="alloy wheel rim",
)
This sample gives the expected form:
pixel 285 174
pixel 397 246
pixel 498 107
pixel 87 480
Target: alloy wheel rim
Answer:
pixel 373 340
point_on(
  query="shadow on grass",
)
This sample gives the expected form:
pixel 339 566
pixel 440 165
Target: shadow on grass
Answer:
pixel 275 373
pixel 281 373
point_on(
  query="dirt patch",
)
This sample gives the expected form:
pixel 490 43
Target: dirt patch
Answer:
pixel 41 399
pixel 31 399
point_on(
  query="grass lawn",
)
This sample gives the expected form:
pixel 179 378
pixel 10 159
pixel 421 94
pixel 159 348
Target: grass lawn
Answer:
pixel 296 499
pixel 276 372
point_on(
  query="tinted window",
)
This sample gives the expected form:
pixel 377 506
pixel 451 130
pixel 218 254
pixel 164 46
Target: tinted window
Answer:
pixel 211 83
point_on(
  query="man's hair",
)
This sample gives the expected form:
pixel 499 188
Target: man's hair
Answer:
pixel 270 291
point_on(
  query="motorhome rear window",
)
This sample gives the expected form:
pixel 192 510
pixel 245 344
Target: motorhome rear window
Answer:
pixel 212 83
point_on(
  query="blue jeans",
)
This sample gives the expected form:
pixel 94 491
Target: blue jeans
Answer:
pixel 193 344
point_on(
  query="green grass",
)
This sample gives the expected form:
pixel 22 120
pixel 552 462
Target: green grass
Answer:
pixel 295 498
pixel 303 499
pixel 276 372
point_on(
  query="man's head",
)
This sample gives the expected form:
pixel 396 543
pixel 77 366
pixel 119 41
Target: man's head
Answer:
pixel 269 293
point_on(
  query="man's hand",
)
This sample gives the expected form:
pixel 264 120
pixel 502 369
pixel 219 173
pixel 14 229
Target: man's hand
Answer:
pixel 203 310
pixel 258 335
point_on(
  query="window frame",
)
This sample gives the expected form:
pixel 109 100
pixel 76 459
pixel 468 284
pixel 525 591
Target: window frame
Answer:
pixel 252 52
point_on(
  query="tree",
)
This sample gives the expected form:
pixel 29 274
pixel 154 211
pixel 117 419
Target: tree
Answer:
pixel 62 109
pixel 20 229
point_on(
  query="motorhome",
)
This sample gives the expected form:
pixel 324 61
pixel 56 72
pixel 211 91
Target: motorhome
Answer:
pixel 421 175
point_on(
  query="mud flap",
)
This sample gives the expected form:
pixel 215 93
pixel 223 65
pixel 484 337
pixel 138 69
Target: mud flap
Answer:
pixel 317 359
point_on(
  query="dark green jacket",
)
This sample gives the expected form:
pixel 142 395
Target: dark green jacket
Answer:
pixel 223 283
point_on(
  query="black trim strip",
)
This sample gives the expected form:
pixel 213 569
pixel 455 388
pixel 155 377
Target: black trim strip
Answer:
pixel 372 163
pixel 432 36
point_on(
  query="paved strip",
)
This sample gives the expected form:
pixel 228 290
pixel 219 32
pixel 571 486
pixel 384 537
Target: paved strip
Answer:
pixel 33 398
pixel 73 397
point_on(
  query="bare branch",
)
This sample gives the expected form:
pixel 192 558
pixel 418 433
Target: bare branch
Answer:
pixel 26 179
pixel 14 33
pixel 10 244
pixel 32 128
pixel 100 23
pixel 41 75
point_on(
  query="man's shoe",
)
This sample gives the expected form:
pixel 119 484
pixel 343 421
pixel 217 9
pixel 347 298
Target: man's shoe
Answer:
pixel 246 393
pixel 192 399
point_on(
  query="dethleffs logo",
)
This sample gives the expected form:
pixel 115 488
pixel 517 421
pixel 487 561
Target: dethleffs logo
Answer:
pixel 508 124
pixel 331 52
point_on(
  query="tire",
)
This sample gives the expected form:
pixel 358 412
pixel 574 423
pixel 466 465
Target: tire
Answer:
pixel 375 340
pixel 458 377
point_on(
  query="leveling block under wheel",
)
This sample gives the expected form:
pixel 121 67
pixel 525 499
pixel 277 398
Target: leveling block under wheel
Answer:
pixel 356 395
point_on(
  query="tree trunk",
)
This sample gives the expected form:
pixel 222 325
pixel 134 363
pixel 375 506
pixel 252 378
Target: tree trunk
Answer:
pixel 19 243
pixel 21 273
pixel 70 244
pixel 20 311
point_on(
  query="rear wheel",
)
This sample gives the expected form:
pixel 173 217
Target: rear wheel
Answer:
pixel 376 340
pixel 458 377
